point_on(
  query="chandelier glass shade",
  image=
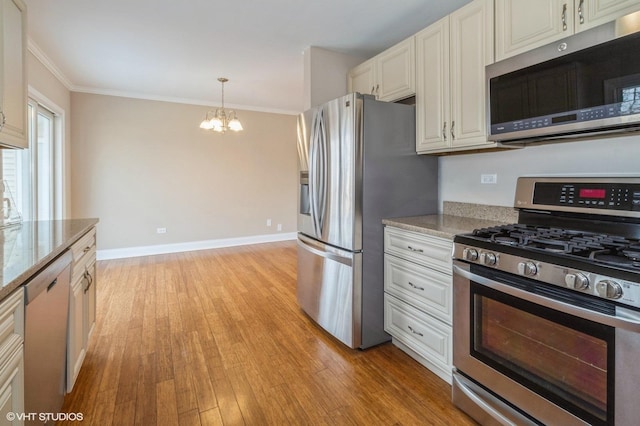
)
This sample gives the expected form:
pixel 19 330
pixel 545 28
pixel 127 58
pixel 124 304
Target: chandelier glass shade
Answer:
pixel 221 120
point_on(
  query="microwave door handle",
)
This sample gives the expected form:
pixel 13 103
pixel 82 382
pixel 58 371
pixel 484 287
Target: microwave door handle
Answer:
pixel 613 321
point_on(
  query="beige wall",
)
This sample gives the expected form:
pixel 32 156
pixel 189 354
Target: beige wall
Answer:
pixel 139 165
pixel 47 85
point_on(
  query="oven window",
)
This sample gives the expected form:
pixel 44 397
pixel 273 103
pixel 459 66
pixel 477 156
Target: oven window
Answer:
pixel 565 359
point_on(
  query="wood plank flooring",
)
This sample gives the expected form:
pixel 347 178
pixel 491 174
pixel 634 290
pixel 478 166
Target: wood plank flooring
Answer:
pixel 215 337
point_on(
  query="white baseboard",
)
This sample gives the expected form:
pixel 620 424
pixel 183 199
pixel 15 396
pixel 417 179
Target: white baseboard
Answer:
pixel 190 246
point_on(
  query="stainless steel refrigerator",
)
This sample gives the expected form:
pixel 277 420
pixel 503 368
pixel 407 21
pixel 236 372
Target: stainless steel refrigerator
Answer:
pixel 358 165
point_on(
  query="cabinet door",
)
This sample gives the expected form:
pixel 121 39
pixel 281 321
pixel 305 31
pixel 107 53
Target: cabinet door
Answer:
pixel 12 387
pixel 89 304
pixel 522 25
pixel 432 86
pixel 471 50
pixel 395 71
pixel 362 79
pixel 75 338
pixel 591 13
pixel 13 76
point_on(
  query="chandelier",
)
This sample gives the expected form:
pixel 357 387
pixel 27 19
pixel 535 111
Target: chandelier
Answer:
pixel 221 120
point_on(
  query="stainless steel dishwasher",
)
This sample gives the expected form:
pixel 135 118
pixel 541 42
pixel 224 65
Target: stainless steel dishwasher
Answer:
pixel 45 340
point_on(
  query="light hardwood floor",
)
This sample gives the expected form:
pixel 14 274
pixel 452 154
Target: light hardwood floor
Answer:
pixel 215 337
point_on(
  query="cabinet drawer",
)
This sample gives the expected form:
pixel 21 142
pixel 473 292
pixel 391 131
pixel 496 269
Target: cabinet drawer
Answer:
pixel 420 332
pixel 422 287
pixel 84 250
pixel 424 249
pixel 12 315
pixel 11 323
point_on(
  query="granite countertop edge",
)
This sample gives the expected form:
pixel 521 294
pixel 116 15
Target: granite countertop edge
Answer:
pixel 83 226
pixel 440 225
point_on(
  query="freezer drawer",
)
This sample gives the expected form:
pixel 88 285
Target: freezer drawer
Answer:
pixel 329 288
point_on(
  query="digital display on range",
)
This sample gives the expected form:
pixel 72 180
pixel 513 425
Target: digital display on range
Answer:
pixel 592 193
pixel 605 196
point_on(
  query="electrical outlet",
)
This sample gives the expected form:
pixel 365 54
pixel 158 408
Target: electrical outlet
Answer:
pixel 161 230
pixel 268 222
pixel 279 227
pixel 489 179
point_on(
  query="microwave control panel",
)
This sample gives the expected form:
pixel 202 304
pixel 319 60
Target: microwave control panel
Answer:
pixel 582 115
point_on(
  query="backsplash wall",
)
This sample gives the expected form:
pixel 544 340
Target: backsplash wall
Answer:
pixel 460 174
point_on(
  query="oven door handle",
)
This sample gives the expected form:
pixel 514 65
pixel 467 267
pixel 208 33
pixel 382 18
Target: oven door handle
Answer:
pixel 613 321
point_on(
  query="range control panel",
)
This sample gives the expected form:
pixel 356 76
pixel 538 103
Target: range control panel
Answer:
pixel 596 195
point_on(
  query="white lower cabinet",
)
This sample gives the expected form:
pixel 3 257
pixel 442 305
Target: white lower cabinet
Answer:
pixel 12 358
pixel 82 304
pixel 12 387
pixel 418 297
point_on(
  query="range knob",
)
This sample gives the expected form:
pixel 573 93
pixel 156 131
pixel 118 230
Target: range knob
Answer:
pixel 470 254
pixel 527 269
pixel 609 289
pixel 576 281
pixel 488 258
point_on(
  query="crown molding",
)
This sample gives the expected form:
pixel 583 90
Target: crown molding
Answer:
pixel 49 64
pixel 53 68
pixel 172 99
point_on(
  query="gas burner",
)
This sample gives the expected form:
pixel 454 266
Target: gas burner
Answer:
pixel 613 259
pixel 505 239
pixel 632 252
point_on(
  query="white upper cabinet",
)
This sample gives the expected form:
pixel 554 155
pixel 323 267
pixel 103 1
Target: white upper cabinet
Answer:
pixel 390 76
pixel 451 56
pixel 13 75
pixel 395 71
pixel 592 13
pixel 362 78
pixel 523 25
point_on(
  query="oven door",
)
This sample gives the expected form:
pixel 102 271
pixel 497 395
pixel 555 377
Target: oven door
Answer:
pixel 549 352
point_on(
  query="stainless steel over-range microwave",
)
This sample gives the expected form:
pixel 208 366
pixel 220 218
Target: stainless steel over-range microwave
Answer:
pixel 583 85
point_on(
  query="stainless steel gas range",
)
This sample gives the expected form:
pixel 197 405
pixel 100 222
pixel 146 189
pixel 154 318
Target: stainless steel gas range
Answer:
pixel 547 311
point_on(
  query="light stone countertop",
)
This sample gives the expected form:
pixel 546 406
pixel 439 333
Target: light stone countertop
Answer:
pixel 458 218
pixel 30 246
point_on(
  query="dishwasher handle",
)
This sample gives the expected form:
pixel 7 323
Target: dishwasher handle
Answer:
pixel 47 277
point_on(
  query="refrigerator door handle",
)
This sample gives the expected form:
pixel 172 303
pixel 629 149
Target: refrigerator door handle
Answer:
pixel 314 175
pixel 325 251
pixel 322 190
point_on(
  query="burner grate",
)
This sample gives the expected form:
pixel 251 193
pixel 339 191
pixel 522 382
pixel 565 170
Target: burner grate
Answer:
pixel 596 247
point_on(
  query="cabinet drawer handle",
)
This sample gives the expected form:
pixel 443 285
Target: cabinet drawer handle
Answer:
pixel 89 279
pixel 564 17
pixel 444 131
pixel 415 286
pixel 415 250
pixel 415 332
pixel 4 119
pixel 86 249
pixel 453 136
pixel 580 12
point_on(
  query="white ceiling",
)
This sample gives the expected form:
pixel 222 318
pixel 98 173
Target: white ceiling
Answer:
pixel 175 50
